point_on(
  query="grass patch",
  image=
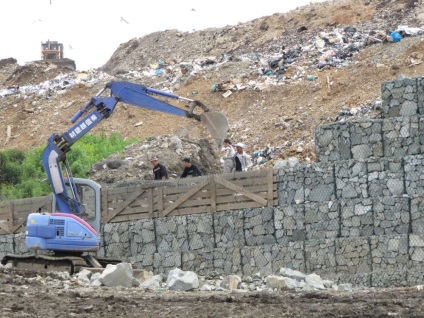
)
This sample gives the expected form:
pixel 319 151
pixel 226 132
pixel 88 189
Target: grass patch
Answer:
pixel 22 174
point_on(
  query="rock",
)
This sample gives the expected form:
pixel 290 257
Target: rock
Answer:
pixel 313 282
pixel 231 282
pixel 117 275
pixel 153 282
pixel 182 281
pixel 288 272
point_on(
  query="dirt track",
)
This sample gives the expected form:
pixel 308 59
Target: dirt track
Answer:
pixel 24 294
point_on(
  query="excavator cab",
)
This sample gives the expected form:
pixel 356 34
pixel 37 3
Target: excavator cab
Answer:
pixel 89 193
pixel 68 232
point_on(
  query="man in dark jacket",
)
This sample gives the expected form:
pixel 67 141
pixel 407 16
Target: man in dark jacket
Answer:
pixel 159 170
pixel 190 170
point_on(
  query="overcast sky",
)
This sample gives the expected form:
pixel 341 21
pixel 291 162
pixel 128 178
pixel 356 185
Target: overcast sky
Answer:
pixel 91 30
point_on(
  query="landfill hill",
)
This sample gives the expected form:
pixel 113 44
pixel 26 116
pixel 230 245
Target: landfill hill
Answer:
pixel 256 73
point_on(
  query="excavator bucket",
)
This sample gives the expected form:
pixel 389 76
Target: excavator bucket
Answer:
pixel 217 124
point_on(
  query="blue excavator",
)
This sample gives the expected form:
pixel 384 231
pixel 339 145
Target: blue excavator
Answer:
pixel 68 237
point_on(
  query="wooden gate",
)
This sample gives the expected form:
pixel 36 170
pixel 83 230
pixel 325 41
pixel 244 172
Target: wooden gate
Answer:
pixel 206 194
pixel 13 214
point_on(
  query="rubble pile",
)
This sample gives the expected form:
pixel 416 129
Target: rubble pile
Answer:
pixel 123 275
pixel 43 80
pixel 133 164
pixel 245 61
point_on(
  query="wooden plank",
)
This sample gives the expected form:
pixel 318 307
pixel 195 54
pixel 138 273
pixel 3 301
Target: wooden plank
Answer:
pixel 212 193
pixel 189 203
pixel 198 195
pixel 104 206
pixel 171 191
pixel 18 225
pixel 4 228
pixel 21 214
pixel 131 199
pixel 236 198
pixel 45 205
pixel 129 189
pixel 11 218
pixel 238 206
pixel 270 187
pixel 244 174
pixel 241 190
pixel 253 189
pixel 187 211
pixel 4 212
pixel 150 201
pixel 249 182
pixel 130 217
pixel 183 198
pixel 187 182
pixel 160 202
pixel 141 200
pixel 132 210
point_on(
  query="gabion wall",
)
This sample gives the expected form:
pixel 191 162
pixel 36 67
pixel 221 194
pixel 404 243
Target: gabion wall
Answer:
pixel 355 217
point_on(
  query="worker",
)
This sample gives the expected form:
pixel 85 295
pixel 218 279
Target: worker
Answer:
pixel 242 160
pixel 228 157
pixel 190 170
pixel 159 170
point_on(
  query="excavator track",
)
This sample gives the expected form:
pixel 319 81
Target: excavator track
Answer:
pixel 48 263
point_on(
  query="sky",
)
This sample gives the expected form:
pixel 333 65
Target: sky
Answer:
pixel 91 30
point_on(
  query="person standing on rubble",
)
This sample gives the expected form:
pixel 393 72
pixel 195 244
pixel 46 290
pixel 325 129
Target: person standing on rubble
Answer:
pixel 159 170
pixel 228 157
pixel 242 161
pixel 190 170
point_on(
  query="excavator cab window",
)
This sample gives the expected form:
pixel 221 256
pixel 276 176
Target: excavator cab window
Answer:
pixel 87 196
pixel 90 197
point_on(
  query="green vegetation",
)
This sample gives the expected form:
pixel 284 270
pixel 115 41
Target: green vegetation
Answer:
pixel 22 174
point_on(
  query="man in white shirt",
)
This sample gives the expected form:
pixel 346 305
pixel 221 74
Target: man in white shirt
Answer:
pixel 228 157
pixel 242 160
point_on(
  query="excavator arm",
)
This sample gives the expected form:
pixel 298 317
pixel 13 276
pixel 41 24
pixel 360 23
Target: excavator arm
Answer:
pixel 99 108
pixel 64 231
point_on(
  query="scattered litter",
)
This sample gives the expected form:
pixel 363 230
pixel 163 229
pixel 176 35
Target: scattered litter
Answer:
pixel 227 93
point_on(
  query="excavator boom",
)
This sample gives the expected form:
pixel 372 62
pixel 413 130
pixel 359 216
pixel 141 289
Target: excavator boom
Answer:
pixel 65 231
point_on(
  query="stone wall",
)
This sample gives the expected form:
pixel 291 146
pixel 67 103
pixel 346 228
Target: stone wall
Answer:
pixel 398 133
pixel 362 139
